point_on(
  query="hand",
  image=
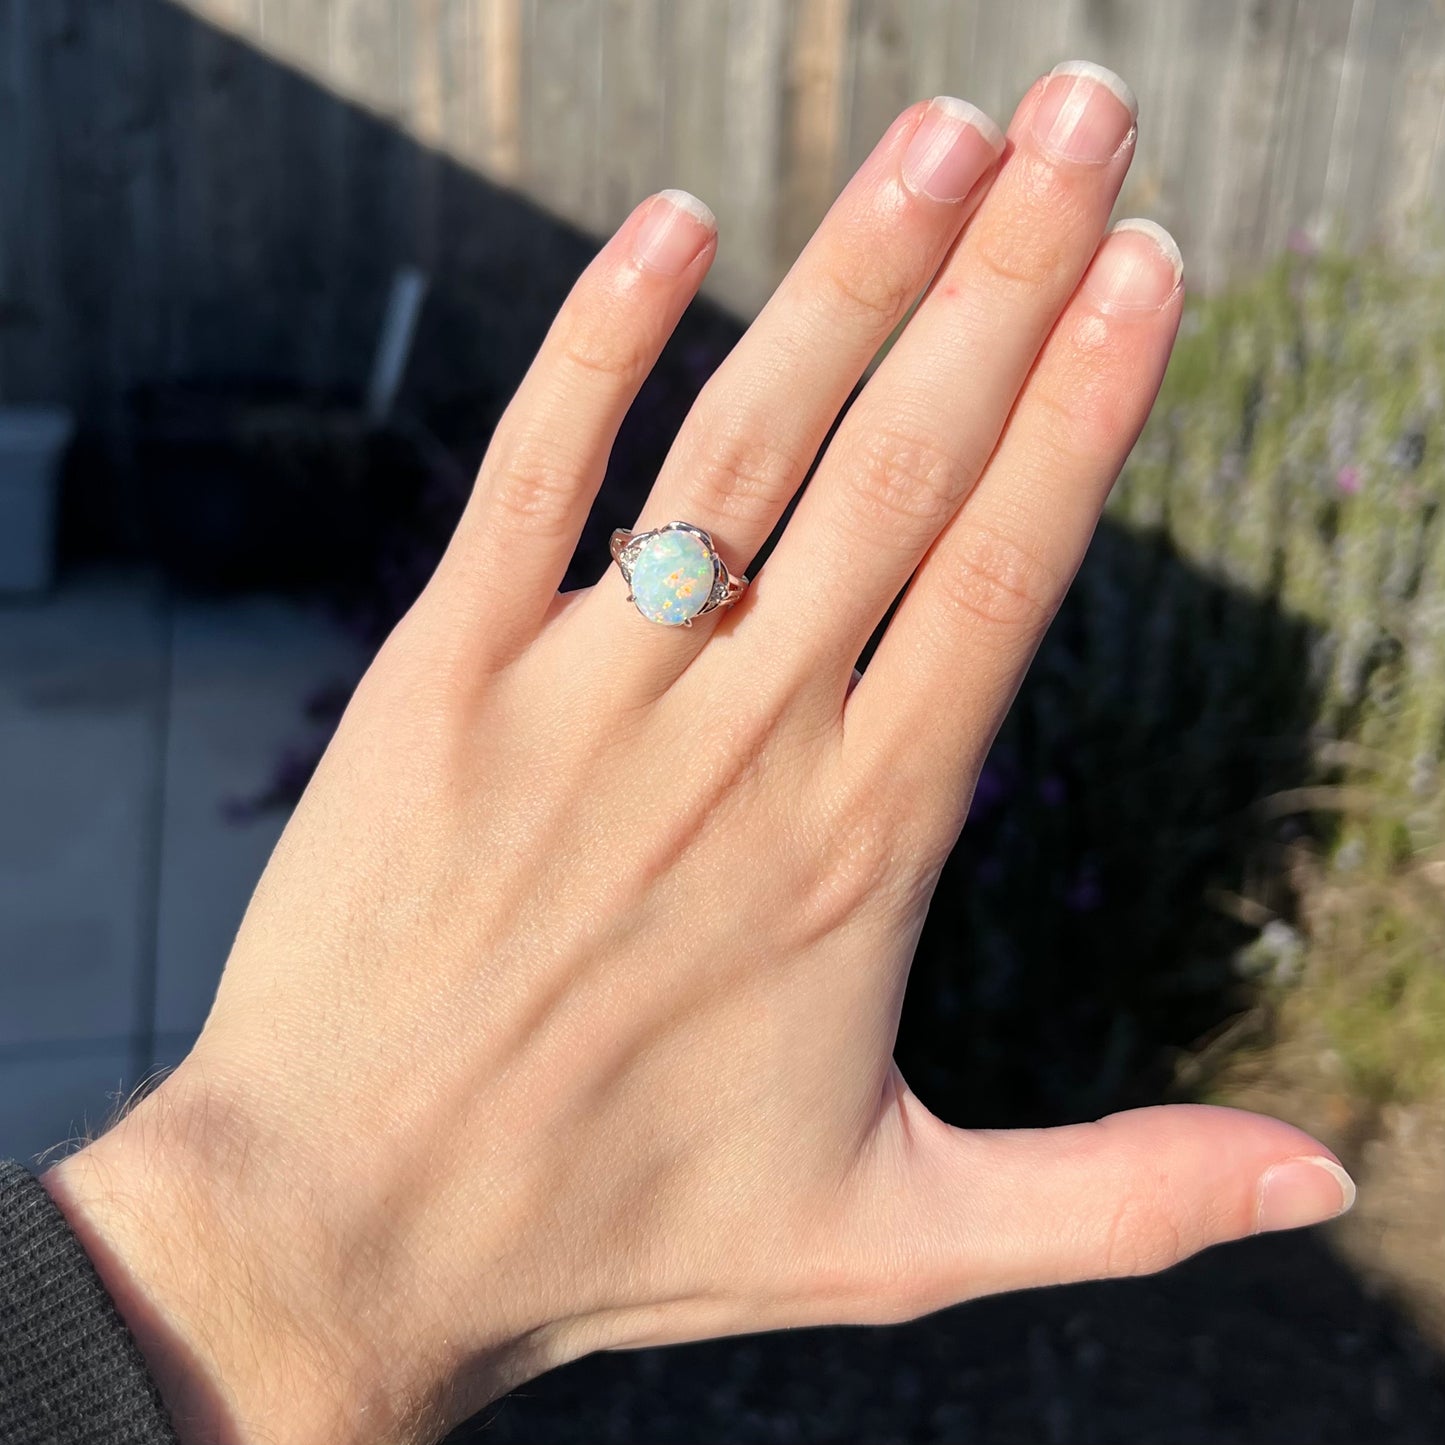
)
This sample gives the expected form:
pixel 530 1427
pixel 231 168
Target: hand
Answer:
pixel 563 1016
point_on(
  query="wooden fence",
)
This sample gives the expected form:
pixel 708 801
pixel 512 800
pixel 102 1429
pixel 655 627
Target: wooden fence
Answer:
pixel 159 171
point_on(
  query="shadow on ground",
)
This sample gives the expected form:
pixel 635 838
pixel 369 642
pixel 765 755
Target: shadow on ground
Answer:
pixel 1269 1340
pixel 1071 952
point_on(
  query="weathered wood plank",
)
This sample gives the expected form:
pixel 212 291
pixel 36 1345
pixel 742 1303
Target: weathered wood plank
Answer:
pixel 422 88
pixel 879 74
pixel 1364 159
pixel 631 100
pixel 695 109
pixel 193 186
pixel 32 304
pixel 754 64
pixel 309 132
pixel 810 164
pixel 498 48
pixel 562 104
pixel 74 42
pixel 1417 124
pixel 140 131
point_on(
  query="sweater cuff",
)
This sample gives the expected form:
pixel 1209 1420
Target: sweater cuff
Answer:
pixel 70 1372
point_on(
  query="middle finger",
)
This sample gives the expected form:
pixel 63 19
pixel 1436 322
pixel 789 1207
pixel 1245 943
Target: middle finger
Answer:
pixel 757 424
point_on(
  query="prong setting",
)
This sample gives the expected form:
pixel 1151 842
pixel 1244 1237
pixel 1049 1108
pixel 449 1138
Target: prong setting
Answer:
pixel 672 572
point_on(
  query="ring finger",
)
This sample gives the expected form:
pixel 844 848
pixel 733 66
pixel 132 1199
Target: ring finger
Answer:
pixel 758 423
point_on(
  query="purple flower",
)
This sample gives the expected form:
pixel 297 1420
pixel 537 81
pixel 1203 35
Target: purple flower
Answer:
pixel 1300 242
pixel 1052 791
pixel 237 810
pixel 1348 480
pixel 990 872
pixel 1084 894
pixel 990 790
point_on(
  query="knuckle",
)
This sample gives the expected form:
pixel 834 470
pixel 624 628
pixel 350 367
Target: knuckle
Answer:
pixel 605 347
pixel 534 490
pixel 902 479
pixel 1092 401
pixel 1031 246
pixel 873 295
pixel 991 578
pixel 1003 267
pixel 1081 433
pixel 742 476
pixel 1063 412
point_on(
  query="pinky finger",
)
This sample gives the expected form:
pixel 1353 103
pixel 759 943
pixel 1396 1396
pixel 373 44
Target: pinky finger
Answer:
pixel 550 448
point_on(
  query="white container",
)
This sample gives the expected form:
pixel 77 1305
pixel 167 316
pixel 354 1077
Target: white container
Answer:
pixel 32 443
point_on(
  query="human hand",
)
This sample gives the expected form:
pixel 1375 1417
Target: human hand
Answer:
pixel 563 1016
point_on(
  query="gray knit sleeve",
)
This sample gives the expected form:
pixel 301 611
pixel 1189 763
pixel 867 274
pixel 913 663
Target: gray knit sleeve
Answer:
pixel 69 1370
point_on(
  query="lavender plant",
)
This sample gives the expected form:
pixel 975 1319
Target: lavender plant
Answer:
pixel 1251 664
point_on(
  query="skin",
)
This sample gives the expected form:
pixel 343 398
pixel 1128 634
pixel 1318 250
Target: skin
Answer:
pixel 562 1018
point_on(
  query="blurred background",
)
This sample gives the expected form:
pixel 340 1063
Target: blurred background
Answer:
pixel 270 269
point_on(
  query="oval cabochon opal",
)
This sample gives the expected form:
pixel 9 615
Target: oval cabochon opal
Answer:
pixel 672 577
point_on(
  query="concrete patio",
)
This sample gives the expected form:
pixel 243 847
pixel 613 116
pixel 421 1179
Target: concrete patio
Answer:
pixel 129 719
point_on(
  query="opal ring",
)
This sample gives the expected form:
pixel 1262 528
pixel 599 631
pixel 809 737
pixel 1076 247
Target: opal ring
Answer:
pixel 674 573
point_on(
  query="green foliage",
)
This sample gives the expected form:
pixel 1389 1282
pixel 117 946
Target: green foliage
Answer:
pixel 1316 395
pixel 1252 660
pixel 1359 1014
pixel 1380 994
pixel 1298 454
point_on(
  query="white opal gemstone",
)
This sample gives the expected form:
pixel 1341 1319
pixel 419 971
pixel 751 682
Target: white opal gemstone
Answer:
pixel 672 577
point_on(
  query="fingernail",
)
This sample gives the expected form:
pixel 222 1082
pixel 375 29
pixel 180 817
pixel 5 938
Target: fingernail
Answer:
pixel 1084 113
pixel 673 232
pixel 1302 1191
pixel 1138 267
pixel 955 143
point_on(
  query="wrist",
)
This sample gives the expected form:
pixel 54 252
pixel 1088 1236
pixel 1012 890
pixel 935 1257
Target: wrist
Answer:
pixel 255 1323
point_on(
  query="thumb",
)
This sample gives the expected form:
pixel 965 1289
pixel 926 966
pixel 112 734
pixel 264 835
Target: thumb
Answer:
pixel 972 1212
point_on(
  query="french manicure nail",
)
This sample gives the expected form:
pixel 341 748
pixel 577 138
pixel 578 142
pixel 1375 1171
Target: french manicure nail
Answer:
pixel 955 143
pixel 1138 267
pixel 1302 1191
pixel 673 232
pixel 1084 113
